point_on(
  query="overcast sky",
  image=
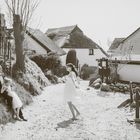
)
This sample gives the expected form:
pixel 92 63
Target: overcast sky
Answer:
pixel 101 20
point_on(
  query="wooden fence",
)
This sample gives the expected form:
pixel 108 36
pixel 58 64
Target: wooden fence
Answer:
pixel 5 45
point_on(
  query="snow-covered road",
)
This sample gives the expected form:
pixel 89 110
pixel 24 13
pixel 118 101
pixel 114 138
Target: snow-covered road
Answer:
pixel 100 119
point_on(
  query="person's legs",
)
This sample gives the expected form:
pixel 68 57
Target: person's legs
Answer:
pixel 71 109
pixel 17 114
pixel 77 111
pixel 21 115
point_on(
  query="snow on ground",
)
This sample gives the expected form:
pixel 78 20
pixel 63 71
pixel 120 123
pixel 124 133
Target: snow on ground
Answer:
pixel 100 118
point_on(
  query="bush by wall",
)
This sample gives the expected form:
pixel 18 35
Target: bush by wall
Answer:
pixel 86 71
pixel 51 62
pixel 72 58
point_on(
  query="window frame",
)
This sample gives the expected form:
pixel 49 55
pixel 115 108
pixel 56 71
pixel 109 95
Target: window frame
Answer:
pixel 91 51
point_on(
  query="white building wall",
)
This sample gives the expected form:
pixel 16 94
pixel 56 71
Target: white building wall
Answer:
pixel 84 57
pixel 125 51
pixel 129 72
pixel 32 45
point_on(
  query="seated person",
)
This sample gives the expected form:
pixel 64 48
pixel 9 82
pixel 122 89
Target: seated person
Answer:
pixel 13 99
pixel 7 98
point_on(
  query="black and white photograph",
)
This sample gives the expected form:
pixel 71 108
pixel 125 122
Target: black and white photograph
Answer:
pixel 69 70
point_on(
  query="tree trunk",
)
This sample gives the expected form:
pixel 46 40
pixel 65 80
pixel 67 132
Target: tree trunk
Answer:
pixel 19 38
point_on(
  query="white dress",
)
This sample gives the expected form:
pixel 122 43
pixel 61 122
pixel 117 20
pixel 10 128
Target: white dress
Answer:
pixel 70 87
pixel 16 102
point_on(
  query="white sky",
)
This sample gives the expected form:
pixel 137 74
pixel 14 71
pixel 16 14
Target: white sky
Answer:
pixel 101 20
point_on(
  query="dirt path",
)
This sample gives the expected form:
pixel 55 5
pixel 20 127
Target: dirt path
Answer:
pixel 100 119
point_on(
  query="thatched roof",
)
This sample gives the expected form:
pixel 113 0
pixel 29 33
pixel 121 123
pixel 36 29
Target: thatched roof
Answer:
pixel 115 44
pixel 44 41
pixel 61 31
pixel 70 37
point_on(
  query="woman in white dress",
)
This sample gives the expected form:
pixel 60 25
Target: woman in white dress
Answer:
pixel 70 89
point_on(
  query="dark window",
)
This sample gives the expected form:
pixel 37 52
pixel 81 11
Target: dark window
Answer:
pixel 91 51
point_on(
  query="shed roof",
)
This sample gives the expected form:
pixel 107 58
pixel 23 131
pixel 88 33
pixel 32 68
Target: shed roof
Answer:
pixel 44 41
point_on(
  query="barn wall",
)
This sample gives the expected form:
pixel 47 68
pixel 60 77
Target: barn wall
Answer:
pixel 129 72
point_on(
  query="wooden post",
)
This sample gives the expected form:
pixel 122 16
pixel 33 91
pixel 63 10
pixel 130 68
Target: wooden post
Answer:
pixel 131 92
pixel 107 71
pixel 116 73
pixel 101 70
pixel 10 51
pixel 137 104
pixel 4 56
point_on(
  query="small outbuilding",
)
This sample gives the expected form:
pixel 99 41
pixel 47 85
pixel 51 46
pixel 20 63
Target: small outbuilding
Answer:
pixel 36 42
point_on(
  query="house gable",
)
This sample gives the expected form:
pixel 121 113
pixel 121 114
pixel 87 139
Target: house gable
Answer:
pixel 77 29
pixel 131 45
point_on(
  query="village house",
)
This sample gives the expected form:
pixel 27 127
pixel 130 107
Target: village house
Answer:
pixel 37 42
pixel 127 53
pixel 72 37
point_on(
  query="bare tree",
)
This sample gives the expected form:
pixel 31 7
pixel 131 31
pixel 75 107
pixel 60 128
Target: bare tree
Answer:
pixel 20 11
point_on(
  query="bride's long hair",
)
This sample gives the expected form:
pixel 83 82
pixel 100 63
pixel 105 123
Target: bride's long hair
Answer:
pixel 73 68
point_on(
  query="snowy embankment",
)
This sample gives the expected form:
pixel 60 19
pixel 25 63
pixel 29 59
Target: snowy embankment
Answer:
pixel 31 82
pixel 100 118
pixel 33 79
